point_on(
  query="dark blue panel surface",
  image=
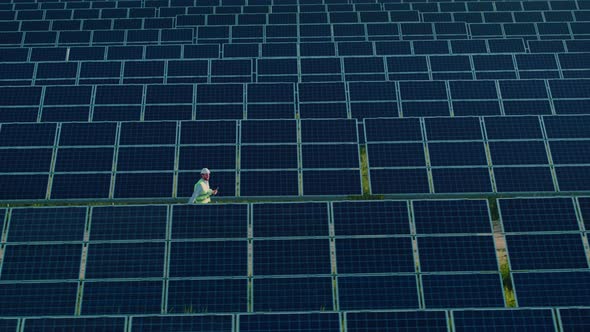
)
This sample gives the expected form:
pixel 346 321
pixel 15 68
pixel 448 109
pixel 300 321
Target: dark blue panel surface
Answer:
pixel 375 255
pixel 396 155
pixel 521 179
pixel 290 219
pixel 269 183
pixel 574 178
pixel 570 152
pixel 328 322
pixel 71 95
pixel 12 96
pixel 403 321
pixel 457 253
pixel 47 224
pixel 208 132
pixel 473 90
pixel 172 323
pixel 211 296
pixel 377 292
pixel 268 156
pixel 272 131
pixel 434 90
pixel 97 324
pixel 504 320
pixel 38 299
pixel 467 128
pixel 529 89
pixel 140 133
pixel 585 210
pixel 538 252
pixel 461 180
pixel 291 294
pixel 462 291
pixel 372 91
pixel 518 153
pixel 25 160
pixel 457 154
pixel 575 319
pixel 23 186
pixel 392 181
pixel 310 92
pixel 451 216
pixel 209 221
pixel 83 160
pixel 27 134
pixel 330 156
pixel 538 214
pixel 41 262
pixel 211 258
pixel 118 94
pixel 128 222
pixel 567 126
pixel 165 94
pixel 220 93
pixel 216 157
pixel 268 93
pixel 386 130
pixel 73 134
pixel 125 260
pixel 122 297
pixel 552 289
pixel 341 182
pixel 145 159
pixel 320 131
pixel 143 185
pixel 513 127
pixel 278 257
pixel 371 218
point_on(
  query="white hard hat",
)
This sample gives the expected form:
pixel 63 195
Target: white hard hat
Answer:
pixel 205 171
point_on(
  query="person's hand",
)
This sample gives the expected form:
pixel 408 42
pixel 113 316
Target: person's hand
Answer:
pixel 215 192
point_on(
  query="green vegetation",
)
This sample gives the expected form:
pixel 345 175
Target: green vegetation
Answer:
pixel 507 282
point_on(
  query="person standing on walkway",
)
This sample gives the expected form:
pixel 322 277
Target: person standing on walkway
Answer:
pixel 202 193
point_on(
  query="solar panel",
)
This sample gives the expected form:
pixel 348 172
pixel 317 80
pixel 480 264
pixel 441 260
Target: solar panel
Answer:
pixel 125 260
pixel 25 160
pixel 457 253
pixel 541 251
pixel 41 262
pixel 47 224
pixel 328 322
pixel 145 158
pixel 457 154
pixel 386 130
pixel 222 323
pixel 462 291
pixel 566 126
pixel 9 324
pixel 143 185
pixel 504 320
pixel 374 255
pixel 538 215
pixel 75 324
pixel 392 181
pixel 268 156
pixel 523 179
pixel 328 182
pixel 122 297
pixel 451 216
pixel 276 131
pixel 147 133
pixel 293 294
pixel 128 222
pixel 519 127
pixel 397 321
pixel 518 153
pixel 207 296
pixel 453 129
pixel 280 257
pixel 574 319
pixel 27 134
pixel 208 132
pixel 269 183
pixel 38 299
pixel 371 218
pixel 289 219
pixel 377 292
pixel 211 258
pixel 551 289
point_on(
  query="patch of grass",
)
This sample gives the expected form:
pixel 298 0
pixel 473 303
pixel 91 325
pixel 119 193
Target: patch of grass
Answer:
pixel 507 282
pixel 365 170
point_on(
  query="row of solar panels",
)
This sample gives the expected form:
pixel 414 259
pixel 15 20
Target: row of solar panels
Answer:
pixel 539 319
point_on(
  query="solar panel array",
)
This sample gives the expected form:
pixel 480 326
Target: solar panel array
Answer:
pixel 298 100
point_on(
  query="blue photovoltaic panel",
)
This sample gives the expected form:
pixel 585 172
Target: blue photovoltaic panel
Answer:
pixel 573 178
pixel 397 181
pixel 567 126
pixel 372 91
pixel 538 214
pixel 473 90
pixel 570 152
pixel 574 319
pixel 270 93
pixel 377 292
pixel 552 289
pixel 220 93
pixel 280 257
pixel 457 154
pixel 504 320
pixel 518 153
pixel 463 291
pixel 73 134
pixel 513 127
pixel 88 185
pixel 140 133
pixel 396 155
pixel 269 183
pixel 128 222
pixel 135 185
pixel 375 255
pixel 145 158
pixel 41 262
pixel 371 218
pixel 402 321
pixel 461 180
pixel 292 294
pixel 125 260
pixel 275 131
pixel 47 224
pixel 467 128
pixel 268 156
pixel 208 132
pixel 551 251
pixel 71 95
pixel 97 324
pixel 388 130
pixel 523 179
pixel 290 219
pixel 23 186
pixel 211 296
pixel 118 94
pixel 457 253
pixel 38 299
pixel 529 89
pixel 210 258
pixel 327 182
pixel 427 90
pixel 8 325
pixel 451 216
pixel 84 160
pixel 325 131
pixel 318 92
pixel 170 323
pixel 585 211
pixel 327 322
pixel 209 221
pixel 25 160
pixel 122 297
pixel 330 156
pixel 164 94
pixel 33 134
pixel 13 96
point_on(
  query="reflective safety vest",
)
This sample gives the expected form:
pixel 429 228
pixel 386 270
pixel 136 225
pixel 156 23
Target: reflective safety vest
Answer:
pixel 201 193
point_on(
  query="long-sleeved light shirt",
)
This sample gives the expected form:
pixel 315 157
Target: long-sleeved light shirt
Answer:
pixel 201 193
